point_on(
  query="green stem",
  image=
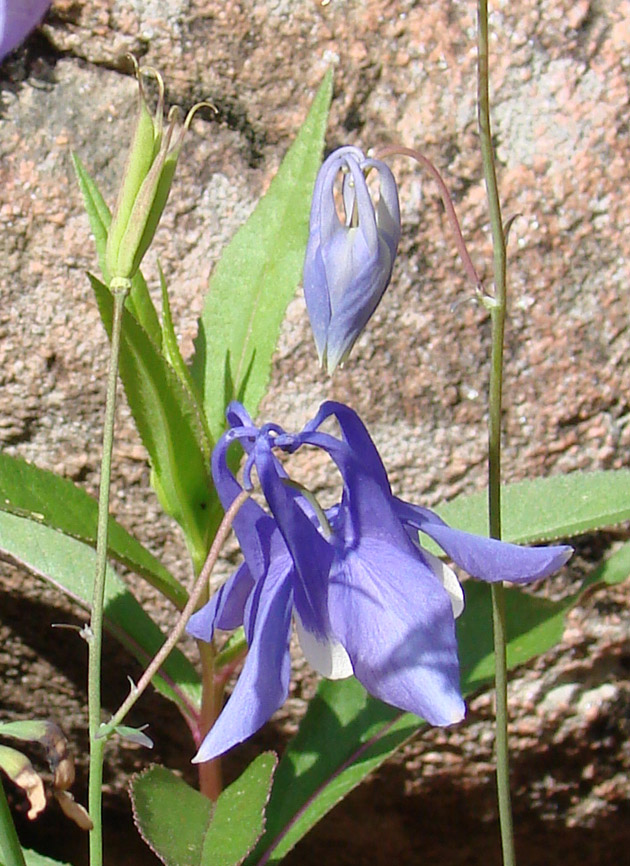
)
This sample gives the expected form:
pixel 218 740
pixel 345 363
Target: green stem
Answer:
pixel 95 634
pixel 10 848
pixel 497 313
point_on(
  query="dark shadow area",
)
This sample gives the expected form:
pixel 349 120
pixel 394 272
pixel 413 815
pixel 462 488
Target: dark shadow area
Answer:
pixel 452 825
pixel 30 646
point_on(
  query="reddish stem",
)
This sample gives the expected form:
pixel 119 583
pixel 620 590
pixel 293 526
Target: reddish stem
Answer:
pixel 394 150
pixel 210 775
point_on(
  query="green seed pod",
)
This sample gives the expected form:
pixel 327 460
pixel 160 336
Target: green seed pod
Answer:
pixel 144 146
pixel 146 185
pixel 148 205
pixel 160 191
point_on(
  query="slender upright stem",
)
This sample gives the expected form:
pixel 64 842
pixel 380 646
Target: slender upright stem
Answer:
pixel 95 633
pixel 497 312
pixel 10 848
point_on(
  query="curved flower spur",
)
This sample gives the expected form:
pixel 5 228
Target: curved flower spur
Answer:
pixel 367 599
pixel 348 263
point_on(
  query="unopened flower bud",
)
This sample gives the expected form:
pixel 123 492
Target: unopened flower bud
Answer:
pixel 348 262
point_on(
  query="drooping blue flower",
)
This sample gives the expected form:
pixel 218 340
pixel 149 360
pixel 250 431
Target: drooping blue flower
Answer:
pixel 366 598
pixel 348 263
pixel 17 19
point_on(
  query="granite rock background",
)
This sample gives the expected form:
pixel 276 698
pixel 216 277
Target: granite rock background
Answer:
pixel 405 73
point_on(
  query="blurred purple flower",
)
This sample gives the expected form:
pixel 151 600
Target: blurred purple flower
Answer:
pixel 366 597
pixel 348 263
pixel 17 19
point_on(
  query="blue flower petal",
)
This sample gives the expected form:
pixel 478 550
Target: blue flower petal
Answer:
pixel 263 684
pixel 486 558
pixel 358 260
pixel 311 553
pixel 237 415
pixel 317 299
pixel 367 503
pixel 328 657
pixel 253 526
pixel 388 207
pixel 226 608
pixel 356 436
pixel 395 620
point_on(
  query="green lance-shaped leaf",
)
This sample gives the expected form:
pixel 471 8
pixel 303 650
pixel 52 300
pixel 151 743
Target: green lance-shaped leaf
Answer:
pixel 33 730
pixel 42 496
pixel 170 348
pixel 184 828
pixel 11 852
pixel 338 731
pixel 168 420
pixel 70 565
pixel 545 509
pixel 256 278
pixel 139 301
pixel 534 624
pixel 34 858
pixel 134 735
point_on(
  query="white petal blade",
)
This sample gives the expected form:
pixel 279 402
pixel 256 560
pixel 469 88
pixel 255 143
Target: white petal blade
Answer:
pixel 328 658
pixel 449 581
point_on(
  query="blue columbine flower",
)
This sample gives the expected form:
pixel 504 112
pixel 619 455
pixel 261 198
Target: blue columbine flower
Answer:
pixel 366 598
pixel 17 19
pixel 348 263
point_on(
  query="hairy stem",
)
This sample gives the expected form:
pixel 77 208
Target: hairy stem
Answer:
pixel 95 632
pixel 497 311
